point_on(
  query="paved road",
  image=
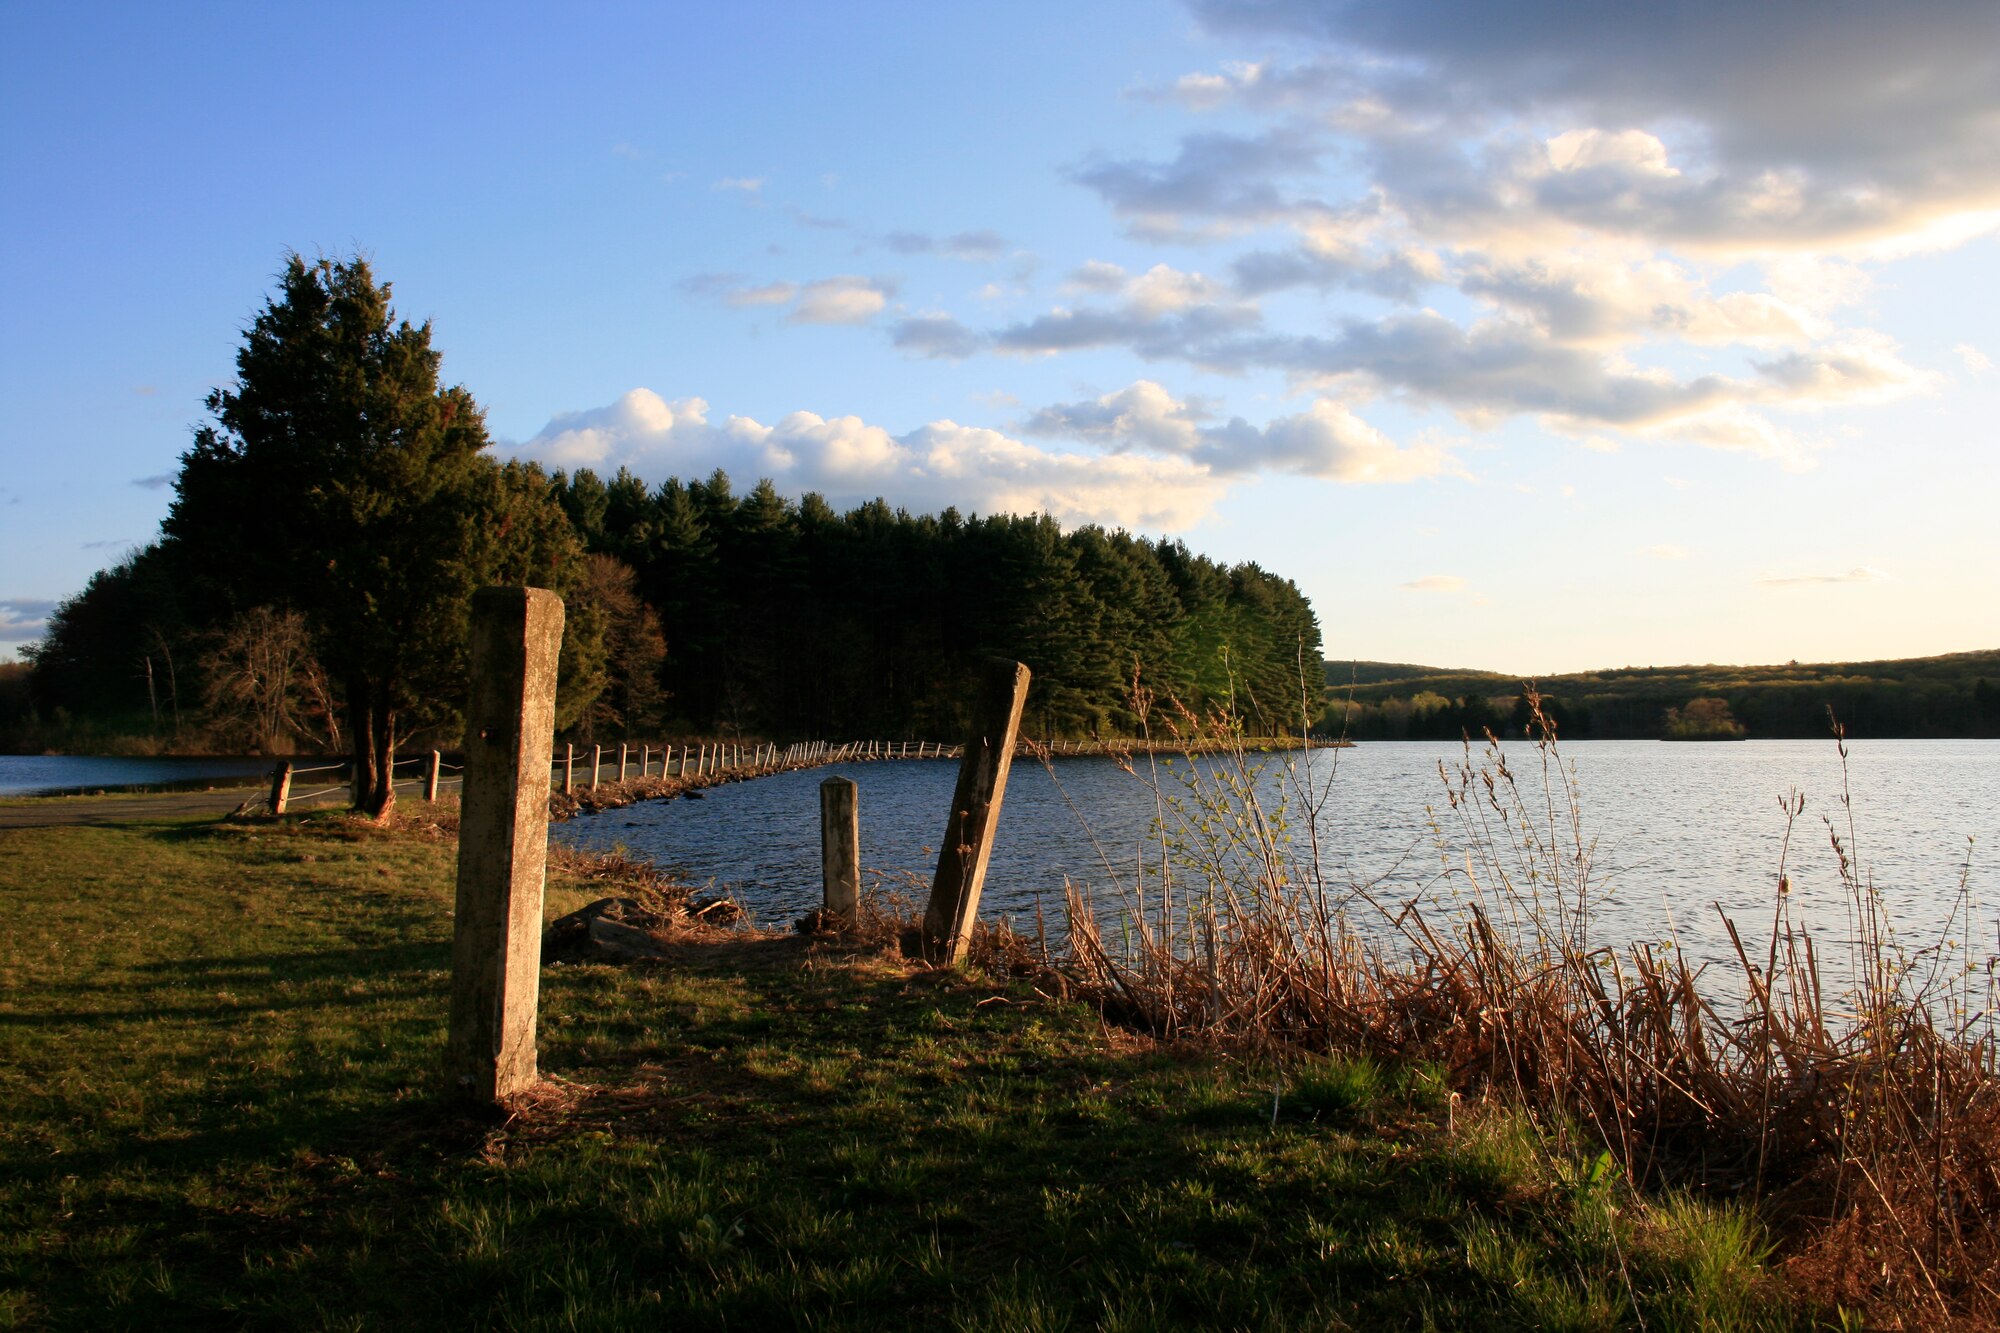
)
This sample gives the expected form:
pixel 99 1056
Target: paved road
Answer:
pixel 69 811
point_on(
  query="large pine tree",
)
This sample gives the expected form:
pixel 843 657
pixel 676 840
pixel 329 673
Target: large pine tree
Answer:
pixel 341 480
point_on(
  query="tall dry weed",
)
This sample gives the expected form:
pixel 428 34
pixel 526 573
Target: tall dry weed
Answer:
pixel 1857 1106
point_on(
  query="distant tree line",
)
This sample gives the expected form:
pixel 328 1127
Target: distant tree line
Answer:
pixel 310 587
pixel 1951 696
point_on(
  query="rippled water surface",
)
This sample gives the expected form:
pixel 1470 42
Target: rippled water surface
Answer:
pixel 1677 828
pixel 28 774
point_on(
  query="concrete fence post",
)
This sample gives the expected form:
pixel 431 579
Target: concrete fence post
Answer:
pixel 975 811
pixel 596 762
pixel 281 786
pixel 432 772
pixel 569 768
pixel 496 952
pixel 840 847
pixel 645 760
pixel 623 750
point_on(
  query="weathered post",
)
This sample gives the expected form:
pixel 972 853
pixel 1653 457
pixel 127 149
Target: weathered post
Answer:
pixel 623 750
pixel 596 762
pixel 645 760
pixel 496 952
pixel 975 811
pixel 569 767
pixel 431 773
pixel 281 786
pixel 840 847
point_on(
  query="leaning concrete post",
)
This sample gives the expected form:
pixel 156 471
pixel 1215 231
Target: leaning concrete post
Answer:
pixel 281 786
pixel 431 774
pixel 645 759
pixel 503 842
pixel 975 811
pixel 569 768
pixel 623 749
pixel 840 847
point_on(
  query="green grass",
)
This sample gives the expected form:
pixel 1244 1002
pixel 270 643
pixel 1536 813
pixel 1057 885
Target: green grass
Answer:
pixel 218 1056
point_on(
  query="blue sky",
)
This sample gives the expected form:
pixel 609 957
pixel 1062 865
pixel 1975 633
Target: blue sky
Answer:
pixel 1520 336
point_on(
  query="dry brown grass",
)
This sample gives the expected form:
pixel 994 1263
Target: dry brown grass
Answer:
pixel 1857 1108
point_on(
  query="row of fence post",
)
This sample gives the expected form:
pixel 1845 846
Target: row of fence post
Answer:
pixel 690 760
pixel 503 836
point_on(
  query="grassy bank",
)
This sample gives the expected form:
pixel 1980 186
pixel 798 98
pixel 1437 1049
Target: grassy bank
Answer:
pixel 218 1047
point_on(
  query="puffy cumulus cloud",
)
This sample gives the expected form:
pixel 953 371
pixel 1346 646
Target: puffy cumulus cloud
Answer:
pixel 1860 367
pixel 1502 367
pixel 1162 312
pixel 1578 297
pixel 1399 274
pixel 641 431
pixel 23 618
pixel 1128 490
pixel 938 336
pixel 1326 441
pixel 1228 181
pixel 843 300
pixel 849 460
pixel 1809 123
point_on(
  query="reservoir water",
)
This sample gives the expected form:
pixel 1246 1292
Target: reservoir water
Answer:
pixel 38 774
pixel 1676 829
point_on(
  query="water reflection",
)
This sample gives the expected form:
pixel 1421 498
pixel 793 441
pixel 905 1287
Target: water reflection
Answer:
pixel 1673 831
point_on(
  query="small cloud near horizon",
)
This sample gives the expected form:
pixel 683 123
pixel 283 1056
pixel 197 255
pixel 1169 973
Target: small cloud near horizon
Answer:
pixel 23 618
pixel 159 481
pixel 1859 574
pixel 1435 583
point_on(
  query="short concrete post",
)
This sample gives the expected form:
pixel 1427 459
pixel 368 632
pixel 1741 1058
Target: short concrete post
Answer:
pixel 432 771
pixel 840 847
pixel 569 768
pixel 975 811
pixel 645 760
pixel 503 839
pixel 623 750
pixel 281 786
pixel 596 762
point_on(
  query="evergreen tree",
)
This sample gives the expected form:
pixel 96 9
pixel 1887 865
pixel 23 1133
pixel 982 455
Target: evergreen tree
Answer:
pixel 340 480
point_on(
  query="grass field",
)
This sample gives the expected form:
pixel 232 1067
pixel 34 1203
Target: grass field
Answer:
pixel 218 1056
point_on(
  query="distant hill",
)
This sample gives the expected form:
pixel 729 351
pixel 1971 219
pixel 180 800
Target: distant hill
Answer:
pixel 1957 694
pixel 1341 674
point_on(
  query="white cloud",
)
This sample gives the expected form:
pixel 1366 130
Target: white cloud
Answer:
pixel 23 618
pixel 770 293
pixel 844 299
pixel 1326 441
pixel 1777 125
pixel 750 185
pixel 1975 360
pixel 1435 583
pixel 939 336
pixel 847 299
pixel 849 460
pixel 1859 574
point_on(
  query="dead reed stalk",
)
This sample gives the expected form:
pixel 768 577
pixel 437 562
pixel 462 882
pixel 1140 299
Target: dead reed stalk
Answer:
pixel 1863 1115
